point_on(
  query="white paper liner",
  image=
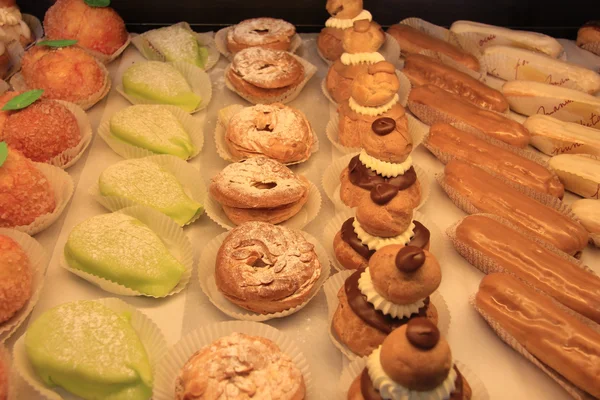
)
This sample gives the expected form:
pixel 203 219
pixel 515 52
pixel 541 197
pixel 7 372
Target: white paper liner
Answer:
pixel 288 96
pixel 62 185
pixel 307 213
pixel 221 43
pixel 171 235
pixel 224 115
pixel 416 129
pixel 108 58
pixel 194 126
pixel 188 176
pixel 149 333
pixel 403 92
pixel 593 47
pixel 332 287
pixel 38 260
pixel 356 367
pixel 177 356
pixel 331 181
pixel 206 274
pixel 197 78
pixel 494 83
pixel 437 242
pixel 35 25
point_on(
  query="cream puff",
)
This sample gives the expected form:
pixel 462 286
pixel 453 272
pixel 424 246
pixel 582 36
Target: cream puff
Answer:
pixel 12 26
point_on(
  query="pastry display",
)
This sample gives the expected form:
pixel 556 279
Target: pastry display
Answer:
pixel 274 130
pixel 423 70
pixel 447 143
pixel 242 366
pixel 360 44
pixel 259 189
pixel 394 288
pixel 25 193
pixel 490 35
pixel 580 173
pixel 67 73
pixel 154 128
pixel 268 33
pixel 15 282
pixel 494 246
pixel 373 96
pixel 588 213
pixel 552 136
pixel 510 63
pixel 122 249
pixel 414 41
pixel 99 29
pixel 177 43
pixel 89 350
pixel 12 26
pixel 266 268
pixel 414 362
pixel 474 190
pixel 432 104
pixel 518 313
pixel 343 15
pixel 588 37
pixel 160 83
pixel 4 372
pixel 145 182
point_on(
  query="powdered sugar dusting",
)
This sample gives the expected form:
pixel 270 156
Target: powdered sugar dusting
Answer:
pixel 259 31
pixel 158 77
pixel 259 65
pixel 175 42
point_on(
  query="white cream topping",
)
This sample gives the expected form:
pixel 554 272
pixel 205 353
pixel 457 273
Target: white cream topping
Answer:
pixel 340 23
pixel 10 16
pixel 384 168
pixel 376 242
pixel 361 58
pixel 373 111
pixel 392 390
pixel 365 284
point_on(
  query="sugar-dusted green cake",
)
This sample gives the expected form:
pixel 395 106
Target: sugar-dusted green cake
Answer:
pixel 147 183
pixel 178 43
pixel 122 249
pixel 154 128
pixel 160 83
pixel 91 351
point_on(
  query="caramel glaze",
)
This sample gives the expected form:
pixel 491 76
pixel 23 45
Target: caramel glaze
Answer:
pixel 553 336
pixel 488 122
pixel 466 146
pixel 423 70
pixel 515 253
pixel 488 194
pixel 365 310
pixel 364 177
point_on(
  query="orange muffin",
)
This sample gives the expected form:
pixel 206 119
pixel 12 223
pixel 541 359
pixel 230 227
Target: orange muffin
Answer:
pixel 15 280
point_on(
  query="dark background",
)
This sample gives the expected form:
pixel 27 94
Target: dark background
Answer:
pixel 559 19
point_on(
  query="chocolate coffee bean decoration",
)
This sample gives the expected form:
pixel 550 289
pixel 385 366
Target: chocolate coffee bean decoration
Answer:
pixel 383 126
pixel 410 258
pixel 422 333
pixel 383 193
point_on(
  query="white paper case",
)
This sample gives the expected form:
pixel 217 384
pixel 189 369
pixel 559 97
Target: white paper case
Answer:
pixel 593 47
pixel 197 78
pixel 194 126
pixel 62 186
pixel 332 287
pixel 224 115
pixel 178 355
pixel 38 260
pixel 188 176
pixel 171 235
pixel 307 213
pixel 206 275
pixel 331 181
pixel 221 43
pixel 150 335
pixel 288 96
pixel 356 367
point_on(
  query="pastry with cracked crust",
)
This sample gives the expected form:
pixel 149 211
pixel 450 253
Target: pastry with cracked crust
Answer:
pixel 361 44
pixel 12 26
pixel 243 367
pixel 266 268
pixel 259 189
pixel 414 362
pixel 15 280
pixel 268 33
pixel 264 74
pixel 393 289
pixel 274 130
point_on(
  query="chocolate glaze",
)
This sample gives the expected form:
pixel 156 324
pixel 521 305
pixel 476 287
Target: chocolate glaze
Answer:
pixel 383 193
pixel 365 310
pixel 410 258
pixel 383 126
pixel 362 176
pixel 422 333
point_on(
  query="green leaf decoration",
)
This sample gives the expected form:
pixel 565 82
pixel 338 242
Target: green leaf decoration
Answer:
pixel 23 100
pixel 98 3
pixel 56 43
pixel 3 152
